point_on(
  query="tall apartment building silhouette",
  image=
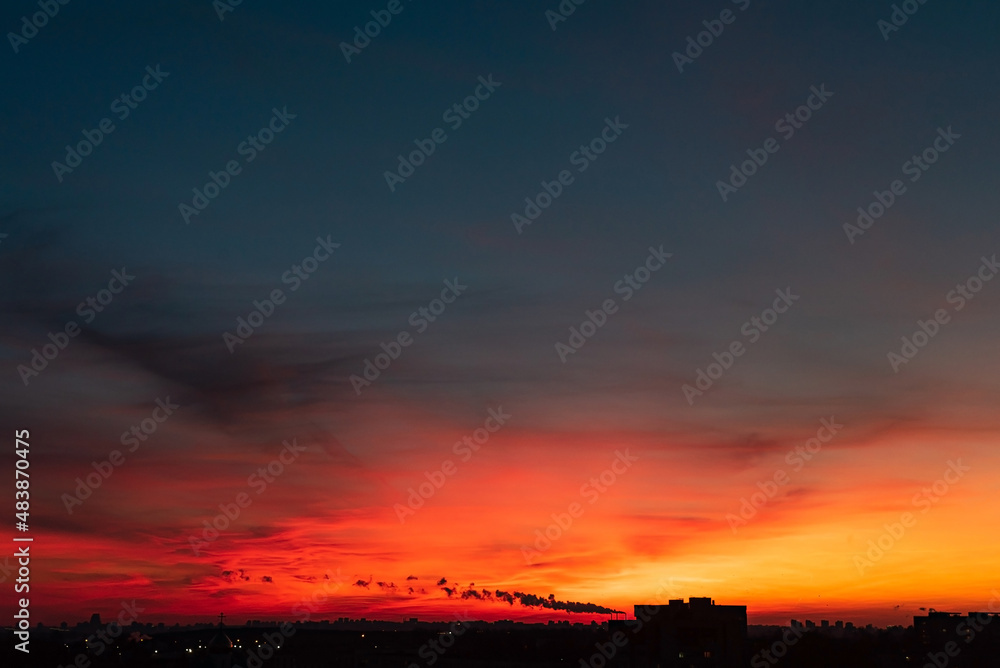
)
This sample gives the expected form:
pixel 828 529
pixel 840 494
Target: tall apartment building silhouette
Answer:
pixel 695 634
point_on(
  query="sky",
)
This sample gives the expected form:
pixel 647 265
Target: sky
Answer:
pixel 562 339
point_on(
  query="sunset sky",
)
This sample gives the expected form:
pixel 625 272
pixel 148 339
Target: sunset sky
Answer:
pixel 678 467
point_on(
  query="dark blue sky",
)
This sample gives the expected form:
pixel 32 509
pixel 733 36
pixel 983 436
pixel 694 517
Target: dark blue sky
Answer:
pixel 323 175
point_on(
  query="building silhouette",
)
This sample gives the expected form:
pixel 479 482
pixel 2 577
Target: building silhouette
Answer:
pixel 936 629
pixel 695 634
pixel 221 649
